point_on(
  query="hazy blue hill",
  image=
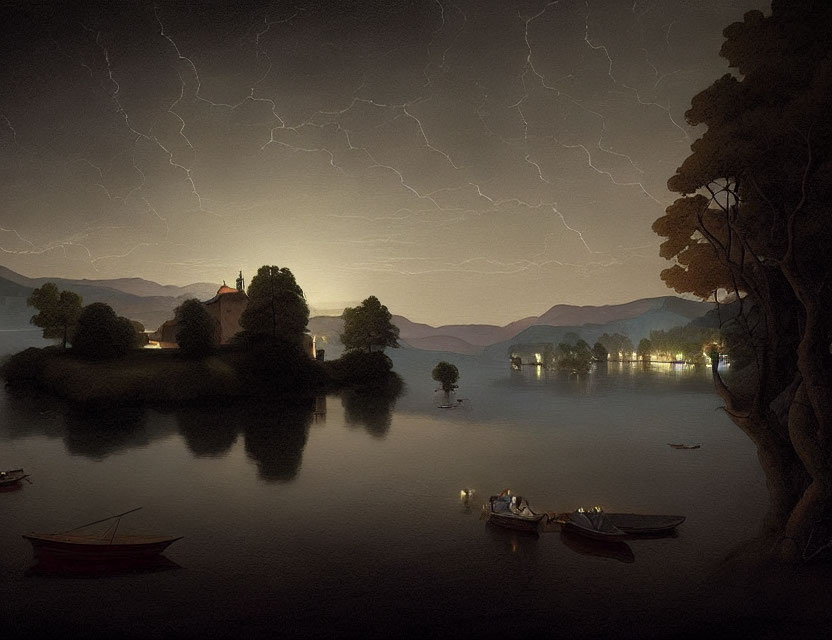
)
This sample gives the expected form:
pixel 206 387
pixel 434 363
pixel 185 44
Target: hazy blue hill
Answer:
pixel 11 289
pixel 659 317
pixel 445 343
pixel 635 319
pixel 678 310
pixel 133 286
pixel 566 315
pixel 14 312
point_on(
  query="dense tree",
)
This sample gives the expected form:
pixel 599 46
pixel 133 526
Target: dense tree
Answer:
pixel 575 358
pixel 369 325
pixel 645 348
pixel 754 220
pixel 689 341
pixel 447 375
pixel 599 352
pixel 276 307
pixel 196 330
pixel 100 334
pixel 618 346
pixel 57 312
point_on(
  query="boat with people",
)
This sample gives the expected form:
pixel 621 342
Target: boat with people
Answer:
pixel 512 512
pixel 13 476
pixel 104 546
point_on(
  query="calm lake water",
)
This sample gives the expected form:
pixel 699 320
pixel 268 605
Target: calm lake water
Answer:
pixel 345 519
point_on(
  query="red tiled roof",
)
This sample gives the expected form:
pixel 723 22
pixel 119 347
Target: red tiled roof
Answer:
pixel 225 289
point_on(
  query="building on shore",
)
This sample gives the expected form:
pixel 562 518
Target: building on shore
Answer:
pixel 226 308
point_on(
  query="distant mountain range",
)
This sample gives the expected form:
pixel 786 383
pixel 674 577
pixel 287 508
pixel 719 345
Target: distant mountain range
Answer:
pixel 634 319
pixel 151 304
pixel 148 302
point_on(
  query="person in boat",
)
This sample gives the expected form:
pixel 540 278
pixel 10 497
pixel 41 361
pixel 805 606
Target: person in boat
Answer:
pixel 520 507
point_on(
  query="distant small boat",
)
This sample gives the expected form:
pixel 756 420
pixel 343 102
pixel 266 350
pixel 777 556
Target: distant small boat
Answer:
pixel 11 477
pixel 684 446
pixel 512 512
pixel 102 547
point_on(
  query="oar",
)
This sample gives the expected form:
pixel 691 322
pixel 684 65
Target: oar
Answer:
pixel 89 524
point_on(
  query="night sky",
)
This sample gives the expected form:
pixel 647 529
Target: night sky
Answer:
pixel 471 161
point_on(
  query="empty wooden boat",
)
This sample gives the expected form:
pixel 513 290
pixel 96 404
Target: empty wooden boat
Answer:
pixel 638 523
pixel 8 478
pixel 103 547
pixel 593 524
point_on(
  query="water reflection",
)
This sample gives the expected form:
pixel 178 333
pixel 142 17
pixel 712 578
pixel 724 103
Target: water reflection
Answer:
pixel 275 436
pixel 86 568
pixel 372 409
pixel 522 543
pixel 615 549
pixel 100 433
pixel 209 433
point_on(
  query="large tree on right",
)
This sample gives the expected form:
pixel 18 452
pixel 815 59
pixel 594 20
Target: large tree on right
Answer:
pixel 754 221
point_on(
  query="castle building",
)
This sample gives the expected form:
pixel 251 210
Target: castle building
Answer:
pixel 226 308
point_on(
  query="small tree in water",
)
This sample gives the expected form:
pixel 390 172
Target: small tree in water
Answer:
pixel 446 374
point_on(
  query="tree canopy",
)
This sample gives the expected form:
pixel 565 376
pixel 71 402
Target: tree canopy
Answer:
pixel 276 306
pixel 754 221
pixel 100 334
pixel 447 375
pixel 57 312
pixel 195 329
pixel 369 325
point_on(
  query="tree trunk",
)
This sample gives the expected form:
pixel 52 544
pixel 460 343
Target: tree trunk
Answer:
pixel 786 477
pixel 815 505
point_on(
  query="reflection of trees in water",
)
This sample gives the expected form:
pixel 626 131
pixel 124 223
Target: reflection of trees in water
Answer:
pixel 208 432
pixel 371 409
pixel 275 435
pixel 23 415
pixel 103 432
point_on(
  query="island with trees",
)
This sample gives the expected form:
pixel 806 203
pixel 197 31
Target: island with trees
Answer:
pixel 99 360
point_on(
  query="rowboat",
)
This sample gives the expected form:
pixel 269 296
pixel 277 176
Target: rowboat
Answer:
pixel 8 478
pixel 106 546
pixel 601 525
pixel 512 512
pixel 592 523
pixel 638 523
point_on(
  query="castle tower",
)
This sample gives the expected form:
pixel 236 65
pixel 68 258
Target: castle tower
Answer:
pixel 241 284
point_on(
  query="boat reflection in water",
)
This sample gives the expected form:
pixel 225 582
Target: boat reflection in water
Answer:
pixel 48 565
pixel 615 549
